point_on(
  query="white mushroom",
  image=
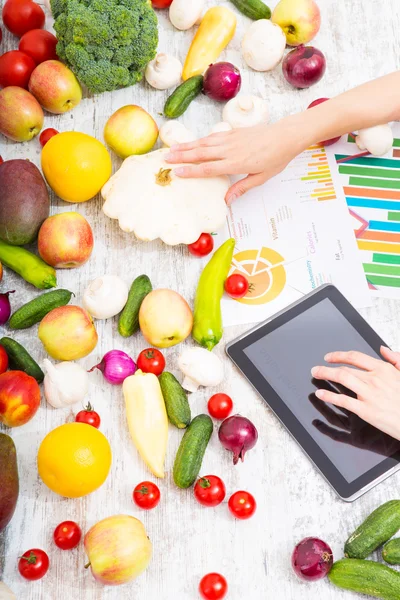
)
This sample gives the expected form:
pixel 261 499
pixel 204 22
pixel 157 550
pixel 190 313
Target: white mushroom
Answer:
pixel 263 45
pixel 221 127
pixel 377 140
pixel 105 297
pixel 183 14
pixel 163 72
pixel 200 367
pixel 246 111
pixel 173 132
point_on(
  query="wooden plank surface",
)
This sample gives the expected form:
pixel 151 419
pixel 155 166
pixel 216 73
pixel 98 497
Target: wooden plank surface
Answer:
pixel 361 41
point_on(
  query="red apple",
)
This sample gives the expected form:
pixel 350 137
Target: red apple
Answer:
pixel 55 87
pixel 21 116
pixel 332 140
pixel 19 398
pixel 68 333
pixel 65 240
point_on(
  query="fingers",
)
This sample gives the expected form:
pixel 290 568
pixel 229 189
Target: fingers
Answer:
pixel 341 400
pixel 348 378
pixel 196 155
pixel 207 169
pixel 392 357
pixel 178 151
pixel 243 186
pixel 334 418
pixel 355 359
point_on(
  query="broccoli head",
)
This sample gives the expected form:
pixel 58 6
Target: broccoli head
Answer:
pixel 107 43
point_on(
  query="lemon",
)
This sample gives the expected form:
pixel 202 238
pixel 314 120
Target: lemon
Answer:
pixel 74 459
pixel 76 165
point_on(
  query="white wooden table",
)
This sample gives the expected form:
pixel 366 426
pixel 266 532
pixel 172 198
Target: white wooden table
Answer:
pixel 361 41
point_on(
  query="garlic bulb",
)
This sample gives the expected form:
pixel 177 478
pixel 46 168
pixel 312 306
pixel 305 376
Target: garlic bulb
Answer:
pixel 173 132
pixel 163 72
pixel 64 384
pixel 246 111
pixel 221 127
pixel 183 14
pixel 377 140
pixel 105 297
pixel 263 45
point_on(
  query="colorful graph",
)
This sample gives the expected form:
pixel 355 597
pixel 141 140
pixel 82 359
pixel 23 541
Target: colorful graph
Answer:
pixel 265 271
pixel 396 145
pixel 318 172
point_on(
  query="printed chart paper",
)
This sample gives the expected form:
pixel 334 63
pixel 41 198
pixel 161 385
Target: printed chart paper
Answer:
pixel 371 186
pixel 293 234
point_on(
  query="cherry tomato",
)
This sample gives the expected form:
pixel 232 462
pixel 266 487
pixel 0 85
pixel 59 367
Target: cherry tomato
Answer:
pixel 1 160
pixel 34 564
pixel 146 495
pixel 242 505
pixel 67 535
pixel 88 416
pixel 161 3
pixel 203 246
pixel 236 286
pixel 39 45
pixel 3 353
pixel 209 490
pixel 220 406
pixel 151 361
pixel 15 68
pixel 20 16
pixel 46 135
pixel 213 587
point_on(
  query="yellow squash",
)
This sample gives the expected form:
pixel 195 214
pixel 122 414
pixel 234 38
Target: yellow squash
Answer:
pixel 214 34
pixel 147 419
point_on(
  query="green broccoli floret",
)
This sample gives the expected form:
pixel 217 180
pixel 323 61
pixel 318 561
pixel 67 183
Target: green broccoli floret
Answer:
pixel 107 43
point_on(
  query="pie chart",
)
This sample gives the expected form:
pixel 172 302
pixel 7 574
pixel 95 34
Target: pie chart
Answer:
pixel 264 271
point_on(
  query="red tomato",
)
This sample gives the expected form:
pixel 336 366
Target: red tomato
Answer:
pixel 203 246
pixel 39 45
pixel 15 69
pixel 242 505
pixel 146 495
pixel 213 587
pixel 88 416
pixel 20 16
pixel 161 3
pixel 209 490
pixel 151 361
pixel 236 286
pixel 1 160
pixel 46 135
pixel 34 564
pixel 220 406
pixel 3 356
pixel 67 535
pixel 1 35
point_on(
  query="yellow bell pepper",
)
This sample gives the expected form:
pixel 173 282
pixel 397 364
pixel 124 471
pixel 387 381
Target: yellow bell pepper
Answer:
pixel 214 34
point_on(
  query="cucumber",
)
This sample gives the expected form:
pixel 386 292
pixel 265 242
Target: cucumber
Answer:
pixel 31 268
pixel 129 318
pixel 254 9
pixel 20 359
pixel 377 529
pixel 32 312
pixel 191 451
pixel 366 577
pixel 391 552
pixel 180 99
pixel 176 402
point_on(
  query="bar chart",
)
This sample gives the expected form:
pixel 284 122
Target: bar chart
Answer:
pixel 319 174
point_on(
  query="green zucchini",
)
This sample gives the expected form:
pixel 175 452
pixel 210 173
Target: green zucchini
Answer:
pixel 32 268
pixel 191 451
pixel 129 318
pixel 180 99
pixel 32 312
pixel 20 359
pixel 176 402
pixel 391 552
pixel 254 9
pixel 366 577
pixel 377 529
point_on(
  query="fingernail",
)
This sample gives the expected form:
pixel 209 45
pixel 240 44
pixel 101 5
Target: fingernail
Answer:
pixel 314 371
pixel 169 156
pixel 328 356
pixel 180 171
pixel 319 394
pixel 232 199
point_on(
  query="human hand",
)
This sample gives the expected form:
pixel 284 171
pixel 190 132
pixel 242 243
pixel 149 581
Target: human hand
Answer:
pixel 376 384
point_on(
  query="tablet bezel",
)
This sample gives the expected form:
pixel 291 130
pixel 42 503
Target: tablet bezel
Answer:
pixel 235 350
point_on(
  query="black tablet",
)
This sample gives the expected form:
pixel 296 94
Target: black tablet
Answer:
pixel 277 356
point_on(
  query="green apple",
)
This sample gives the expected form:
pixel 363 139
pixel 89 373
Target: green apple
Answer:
pixel 130 130
pixel 55 87
pixel 21 116
pixel 165 318
pixel 299 19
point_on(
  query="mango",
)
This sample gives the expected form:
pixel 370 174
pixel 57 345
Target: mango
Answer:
pixel 24 202
pixel 9 483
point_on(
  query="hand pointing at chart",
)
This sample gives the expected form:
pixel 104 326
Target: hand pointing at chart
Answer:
pixel 376 383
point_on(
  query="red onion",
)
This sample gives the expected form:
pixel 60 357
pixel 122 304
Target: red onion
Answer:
pixel 332 140
pixel 312 559
pixel 116 366
pixel 304 66
pixel 5 307
pixel 222 81
pixel 238 435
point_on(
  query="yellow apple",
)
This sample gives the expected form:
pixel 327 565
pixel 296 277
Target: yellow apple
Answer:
pixel 68 333
pixel 299 19
pixel 130 130
pixel 165 318
pixel 118 549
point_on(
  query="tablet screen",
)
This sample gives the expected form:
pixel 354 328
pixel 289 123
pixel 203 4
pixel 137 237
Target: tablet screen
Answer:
pixel 284 357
